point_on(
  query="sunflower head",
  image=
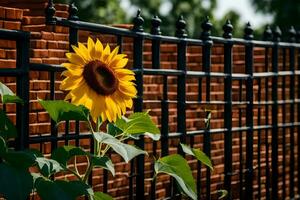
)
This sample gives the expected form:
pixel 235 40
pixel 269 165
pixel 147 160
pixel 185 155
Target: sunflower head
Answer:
pixel 97 79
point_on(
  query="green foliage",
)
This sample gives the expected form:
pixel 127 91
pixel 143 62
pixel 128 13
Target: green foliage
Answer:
pixel 7 96
pixel 223 193
pixel 61 110
pixel 48 167
pixel 65 153
pixel 197 153
pixel 126 151
pixel 138 124
pixel 61 190
pixel 103 162
pixel 286 13
pixel 15 183
pixel 7 128
pixel 177 167
pixel 102 196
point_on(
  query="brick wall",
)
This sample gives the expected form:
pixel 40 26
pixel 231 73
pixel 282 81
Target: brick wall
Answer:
pixel 49 45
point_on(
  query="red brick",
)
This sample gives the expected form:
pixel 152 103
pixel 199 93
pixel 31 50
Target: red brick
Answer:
pixel 34 27
pixel 13 13
pixel 29 20
pixel 6 63
pixel 2 53
pixel 11 54
pixel 38 44
pixel 57 53
pixel 7 44
pixel 39 53
pixel 2 12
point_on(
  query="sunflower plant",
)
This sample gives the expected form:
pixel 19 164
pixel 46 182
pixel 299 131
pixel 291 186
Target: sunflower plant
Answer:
pixel 99 90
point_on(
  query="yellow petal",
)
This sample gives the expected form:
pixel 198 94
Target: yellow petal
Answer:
pixel 74 70
pixel 81 52
pixel 128 90
pixel 112 54
pixel 90 44
pixel 71 82
pixel 115 60
pixel 105 53
pixel 75 59
pixel 129 103
pixel 122 63
pixel 85 52
pixel 124 71
pixel 98 50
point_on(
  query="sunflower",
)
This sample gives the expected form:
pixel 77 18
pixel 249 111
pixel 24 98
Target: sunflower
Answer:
pixel 97 79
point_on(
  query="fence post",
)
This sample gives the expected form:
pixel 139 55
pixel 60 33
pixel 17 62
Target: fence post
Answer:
pixel 292 39
pixel 298 111
pixel 228 106
pixel 138 22
pixel 50 12
pixel 181 82
pixel 276 39
pixel 249 111
pixel 206 59
pixel 22 63
pixel 267 37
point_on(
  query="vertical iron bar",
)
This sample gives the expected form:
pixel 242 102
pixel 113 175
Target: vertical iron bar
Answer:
pixel 22 113
pixel 206 59
pixel 54 130
pixel 228 107
pixel 283 128
pixel 241 157
pixel 249 113
pixel 138 102
pixel 292 33
pixel 259 138
pixel 155 30
pixel 267 36
pixel 274 154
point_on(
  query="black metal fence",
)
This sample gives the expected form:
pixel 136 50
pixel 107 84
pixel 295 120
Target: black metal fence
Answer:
pixel 271 45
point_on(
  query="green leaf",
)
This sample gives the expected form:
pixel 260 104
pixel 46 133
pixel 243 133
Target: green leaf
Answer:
pixel 19 159
pixel 113 130
pixel 177 167
pixel 197 153
pixel 61 190
pixel 125 150
pixel 3 147
pixel 7 128
pixel 104 162
pixel 223 193
pixel 137 124
pixel 60 110
pixel 65 153
pixel 15 183
pixel 102 196
pixel 11 99
pixel 48 166
pixel 7 96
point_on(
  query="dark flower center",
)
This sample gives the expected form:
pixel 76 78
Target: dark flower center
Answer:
pixel 100 78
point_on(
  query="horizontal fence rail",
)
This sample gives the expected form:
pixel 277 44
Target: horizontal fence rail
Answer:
pixel 266 107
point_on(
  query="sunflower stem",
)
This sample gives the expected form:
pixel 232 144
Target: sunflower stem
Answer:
pixel 89 169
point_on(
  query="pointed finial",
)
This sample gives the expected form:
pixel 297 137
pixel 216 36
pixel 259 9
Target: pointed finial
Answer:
pixel 227 28
pixel 138 22
pixel 292 34
pixel 155 28
pixel 180 27
pixel 267 33
pixel 206 28
pixel 73 12
pixel 50 12
pixel 276 34
pixel 248 32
